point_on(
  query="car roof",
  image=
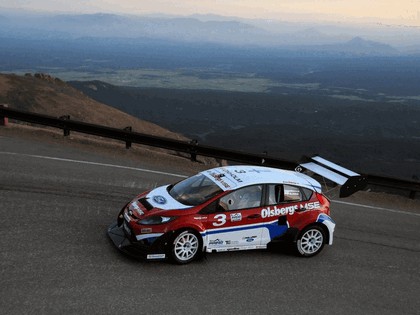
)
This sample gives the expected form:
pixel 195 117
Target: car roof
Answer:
pixel 237 176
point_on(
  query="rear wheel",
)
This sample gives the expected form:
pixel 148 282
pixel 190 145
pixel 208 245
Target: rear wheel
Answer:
pixel 311 241
pixel 186 247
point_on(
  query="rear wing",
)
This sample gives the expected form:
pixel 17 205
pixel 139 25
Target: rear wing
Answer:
pixel 349 181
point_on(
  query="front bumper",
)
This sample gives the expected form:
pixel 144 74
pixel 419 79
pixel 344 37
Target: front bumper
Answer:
pixel 138 249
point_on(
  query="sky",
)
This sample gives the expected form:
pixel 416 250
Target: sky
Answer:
pixel 406 12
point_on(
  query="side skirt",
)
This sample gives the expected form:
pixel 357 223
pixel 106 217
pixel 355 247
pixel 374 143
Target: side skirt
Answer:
pixel 235 248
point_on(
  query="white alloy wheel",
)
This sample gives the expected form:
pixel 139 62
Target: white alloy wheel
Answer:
pixel 311 241
pixel 185 247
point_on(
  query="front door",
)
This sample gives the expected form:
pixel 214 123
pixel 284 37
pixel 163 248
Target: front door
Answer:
pixel 236 223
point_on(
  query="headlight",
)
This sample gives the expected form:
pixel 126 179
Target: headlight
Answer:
pixel 155 220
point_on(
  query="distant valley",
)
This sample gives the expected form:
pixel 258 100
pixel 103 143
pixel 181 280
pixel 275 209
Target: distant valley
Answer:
pixel 375 137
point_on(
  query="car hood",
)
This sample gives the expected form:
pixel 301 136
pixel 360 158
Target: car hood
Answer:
pixel 160 198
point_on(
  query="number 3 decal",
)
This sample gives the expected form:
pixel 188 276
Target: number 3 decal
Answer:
pixel 221 219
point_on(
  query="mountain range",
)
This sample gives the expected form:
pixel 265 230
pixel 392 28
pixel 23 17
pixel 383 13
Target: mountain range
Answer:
pixel 370 39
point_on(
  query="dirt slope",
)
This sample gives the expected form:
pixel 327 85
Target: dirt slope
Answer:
pixel 41 93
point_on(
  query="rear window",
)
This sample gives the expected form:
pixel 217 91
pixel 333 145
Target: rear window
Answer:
pixel 287 193
pixel 292 193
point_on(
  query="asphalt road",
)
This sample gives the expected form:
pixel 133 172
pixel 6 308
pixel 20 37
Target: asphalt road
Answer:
pixel 55 256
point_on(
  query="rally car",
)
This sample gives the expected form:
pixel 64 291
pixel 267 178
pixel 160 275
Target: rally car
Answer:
pixel 232 208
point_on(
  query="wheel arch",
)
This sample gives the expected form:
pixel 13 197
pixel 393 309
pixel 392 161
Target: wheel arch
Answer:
pixel 323 226
pixel 176 232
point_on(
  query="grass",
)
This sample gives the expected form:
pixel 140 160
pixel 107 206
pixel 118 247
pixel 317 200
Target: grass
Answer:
pixel 213 79
pixel 176 79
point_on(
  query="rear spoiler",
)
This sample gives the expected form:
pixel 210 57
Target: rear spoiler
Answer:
pixel 350 181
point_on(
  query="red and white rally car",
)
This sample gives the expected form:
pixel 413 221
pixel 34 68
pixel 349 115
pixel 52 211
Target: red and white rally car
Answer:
pixel 232 208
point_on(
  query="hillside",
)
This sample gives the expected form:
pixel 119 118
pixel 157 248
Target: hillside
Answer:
pixel 44 94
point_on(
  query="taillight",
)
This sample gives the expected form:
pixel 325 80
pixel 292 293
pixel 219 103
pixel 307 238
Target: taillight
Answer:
pixel 325 202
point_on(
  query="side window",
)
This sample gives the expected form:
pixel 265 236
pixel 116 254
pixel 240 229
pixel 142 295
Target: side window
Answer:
pixel 247 197
pixel 287 193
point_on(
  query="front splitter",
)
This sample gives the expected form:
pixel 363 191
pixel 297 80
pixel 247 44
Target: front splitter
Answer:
pixel 124 244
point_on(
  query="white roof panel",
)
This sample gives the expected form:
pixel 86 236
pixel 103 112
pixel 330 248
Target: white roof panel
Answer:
pixel 233 177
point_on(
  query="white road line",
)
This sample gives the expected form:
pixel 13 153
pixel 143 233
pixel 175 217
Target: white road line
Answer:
pixel 94 163
pixel 376 208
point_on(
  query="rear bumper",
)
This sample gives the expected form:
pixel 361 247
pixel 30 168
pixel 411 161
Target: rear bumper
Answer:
pixel 136 249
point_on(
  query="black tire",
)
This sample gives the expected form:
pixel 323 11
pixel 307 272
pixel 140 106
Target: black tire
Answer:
pixel 311 241
pixel 185 247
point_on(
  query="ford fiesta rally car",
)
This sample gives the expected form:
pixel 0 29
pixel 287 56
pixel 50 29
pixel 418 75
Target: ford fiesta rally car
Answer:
pixel 231 208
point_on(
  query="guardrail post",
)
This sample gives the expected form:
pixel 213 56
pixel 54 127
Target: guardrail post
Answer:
pixel 193 150
pixel 66 131
pixel 4 120
pixel 128 143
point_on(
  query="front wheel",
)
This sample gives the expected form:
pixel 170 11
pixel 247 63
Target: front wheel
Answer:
pixel 185 247
pixel 311 241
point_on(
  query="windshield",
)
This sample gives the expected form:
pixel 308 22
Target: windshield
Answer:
pixel 194 190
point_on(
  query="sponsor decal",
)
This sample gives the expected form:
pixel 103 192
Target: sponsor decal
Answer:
pixel 292 193
pixel 136 207
pixel 233 175
pixel 200 218
pixel 216 242
pixel 159 200
pixel 232 242
pixel 310 205
pixel 259 171
pixel 235 217
pixel 219 178
pixel 146 230
pixel 249 239
pixel 275 211
pixel 156 256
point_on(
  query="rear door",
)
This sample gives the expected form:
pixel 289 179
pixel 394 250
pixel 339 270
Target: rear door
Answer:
pixel 284 204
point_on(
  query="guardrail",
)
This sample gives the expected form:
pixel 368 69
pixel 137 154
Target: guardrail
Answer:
pixel 192 148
